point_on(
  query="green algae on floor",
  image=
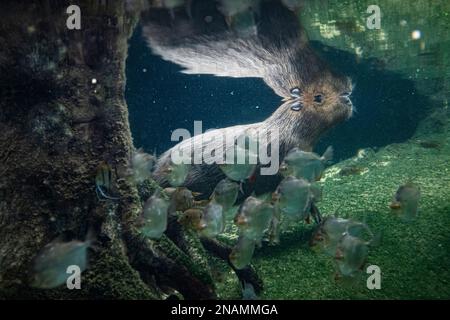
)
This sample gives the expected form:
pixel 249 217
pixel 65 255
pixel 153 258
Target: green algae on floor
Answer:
pixel 414 257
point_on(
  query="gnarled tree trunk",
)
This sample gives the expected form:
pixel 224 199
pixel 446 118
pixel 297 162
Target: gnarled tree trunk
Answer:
pixel 57 125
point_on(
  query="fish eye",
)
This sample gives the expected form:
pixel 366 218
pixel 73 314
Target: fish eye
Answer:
pixel 295 92
pixel 318 98
pixel 296 106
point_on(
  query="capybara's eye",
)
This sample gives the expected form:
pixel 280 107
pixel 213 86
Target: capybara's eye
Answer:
pixel 295 92
pixel 318 98
pixel 296 106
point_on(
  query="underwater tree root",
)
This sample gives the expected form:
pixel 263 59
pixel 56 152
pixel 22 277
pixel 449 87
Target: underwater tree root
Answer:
pixel 184 240
pixel 162 264
pixel 222 251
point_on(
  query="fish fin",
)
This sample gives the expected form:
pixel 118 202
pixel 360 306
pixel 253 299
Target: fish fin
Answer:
pixel 328 154
pixel 316 192
pixel 229 21
pixel 103 194
pixel 99 193
pixel 241 189
pixel 91 236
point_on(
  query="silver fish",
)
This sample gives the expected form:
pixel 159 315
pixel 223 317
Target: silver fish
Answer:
pixel 243 167
pixel 351 255
pixel 226 193
pixel 212 222
pixel 50 265
pixel 306 165
pixel 242 252
pixel 140 166
pixel 295 197
pixel 253 218
pixel 176 173
pixel 154 216
pixel 406 201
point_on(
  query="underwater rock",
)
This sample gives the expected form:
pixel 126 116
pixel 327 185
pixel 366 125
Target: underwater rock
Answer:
pixel 242 252
pixel 226 193
pixel 49 127
pixel 365 153
pixel 50 265
pixel 406 201
pixel 253 219
pixel 306 165
pixel 212 222
pixel 154 216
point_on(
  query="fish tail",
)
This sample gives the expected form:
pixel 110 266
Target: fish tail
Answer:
pixel 241 189
pixel 328 154
pixel 102 194
pixel 91 235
